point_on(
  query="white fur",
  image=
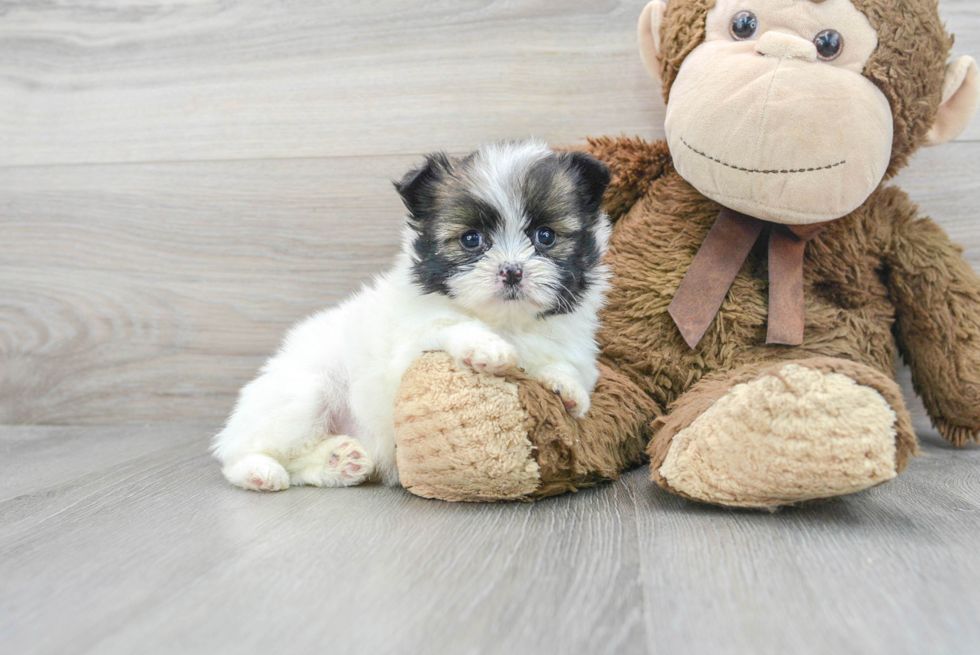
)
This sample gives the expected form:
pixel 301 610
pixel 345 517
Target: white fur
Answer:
pixel 320 412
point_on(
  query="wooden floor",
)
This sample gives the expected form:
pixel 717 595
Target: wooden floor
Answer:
pixel 127 540
pixel 180 181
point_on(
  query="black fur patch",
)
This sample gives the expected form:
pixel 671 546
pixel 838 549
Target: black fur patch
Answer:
pixel 438 203
pixel 593 177
pixel 440 257
pixel 418 187
pixel 565 192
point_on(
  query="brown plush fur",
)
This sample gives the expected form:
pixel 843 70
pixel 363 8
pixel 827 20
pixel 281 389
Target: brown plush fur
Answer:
pixel 682 30
pixel 611 437
pixel 876 280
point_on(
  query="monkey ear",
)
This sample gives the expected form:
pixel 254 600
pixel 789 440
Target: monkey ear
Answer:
pixel 416 187
pixel 648 31
pixel 961 97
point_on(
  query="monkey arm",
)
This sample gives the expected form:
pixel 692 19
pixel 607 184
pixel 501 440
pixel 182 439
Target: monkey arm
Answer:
pixel 937 296
pixel 633 164
pixel 475 437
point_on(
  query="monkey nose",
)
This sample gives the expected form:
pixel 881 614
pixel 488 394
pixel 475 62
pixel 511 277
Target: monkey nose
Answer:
pixel 511 274
pixel 786 46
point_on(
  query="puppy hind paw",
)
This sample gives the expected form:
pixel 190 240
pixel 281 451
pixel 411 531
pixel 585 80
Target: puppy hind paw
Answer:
pixel 336 462
pixel 257 473
pixel 351 461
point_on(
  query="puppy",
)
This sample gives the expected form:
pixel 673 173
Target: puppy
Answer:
pixel 500 267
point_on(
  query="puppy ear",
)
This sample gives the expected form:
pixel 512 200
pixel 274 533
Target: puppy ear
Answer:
pixel 417 187
pixel 593 178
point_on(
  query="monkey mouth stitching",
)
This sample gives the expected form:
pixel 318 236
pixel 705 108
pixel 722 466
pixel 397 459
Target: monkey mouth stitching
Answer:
pixel 765 172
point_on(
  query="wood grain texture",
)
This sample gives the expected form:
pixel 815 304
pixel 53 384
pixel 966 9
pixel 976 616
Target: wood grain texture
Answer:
pixel 126 539
pixel 125 555
pixel 208 80
pixel 890 570
pixel 140 291
pixel 204 80
pixel 153 291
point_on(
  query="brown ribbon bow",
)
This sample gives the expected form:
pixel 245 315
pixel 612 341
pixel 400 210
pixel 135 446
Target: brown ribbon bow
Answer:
pixel 718 261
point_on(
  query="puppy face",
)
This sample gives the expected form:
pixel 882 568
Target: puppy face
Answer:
pixel 513 225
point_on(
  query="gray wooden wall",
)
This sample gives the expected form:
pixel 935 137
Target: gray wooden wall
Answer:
pixel 180 181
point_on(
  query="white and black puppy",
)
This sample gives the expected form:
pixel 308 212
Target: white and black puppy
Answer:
pixel 501 267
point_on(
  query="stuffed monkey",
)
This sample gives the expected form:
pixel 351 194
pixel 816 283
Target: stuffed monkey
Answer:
pixel 765 274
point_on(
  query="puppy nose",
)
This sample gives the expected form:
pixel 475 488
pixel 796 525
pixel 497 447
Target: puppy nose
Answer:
pixel 511 274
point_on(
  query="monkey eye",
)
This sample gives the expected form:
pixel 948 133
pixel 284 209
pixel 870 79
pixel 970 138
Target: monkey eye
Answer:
pixel 545 237
pixel 829 44
pixel 744 26
pixel 471 240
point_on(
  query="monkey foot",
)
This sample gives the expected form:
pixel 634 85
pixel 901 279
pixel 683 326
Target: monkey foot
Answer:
pixel 795 432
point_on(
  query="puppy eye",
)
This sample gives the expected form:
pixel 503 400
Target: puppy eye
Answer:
pixel 744 26
pixel 545 237
pixel 471 240
pixel 829 44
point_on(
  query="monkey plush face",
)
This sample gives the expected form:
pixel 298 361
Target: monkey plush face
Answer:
pixel 761 121
pixel 772 110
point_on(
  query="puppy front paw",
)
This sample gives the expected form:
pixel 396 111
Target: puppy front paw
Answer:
pixel 491 354
pixel 573 395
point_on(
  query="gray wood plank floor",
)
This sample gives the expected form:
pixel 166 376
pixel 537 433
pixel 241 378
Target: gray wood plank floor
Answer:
pixel 127 540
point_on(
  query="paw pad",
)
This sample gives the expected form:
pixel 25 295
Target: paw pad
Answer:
pixel 348 459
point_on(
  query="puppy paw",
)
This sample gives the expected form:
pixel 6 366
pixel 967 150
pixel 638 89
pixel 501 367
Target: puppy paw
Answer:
pixel 491 354
pixel 573 395
pixel 257 473
pixel 335 462
pixel 350 461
